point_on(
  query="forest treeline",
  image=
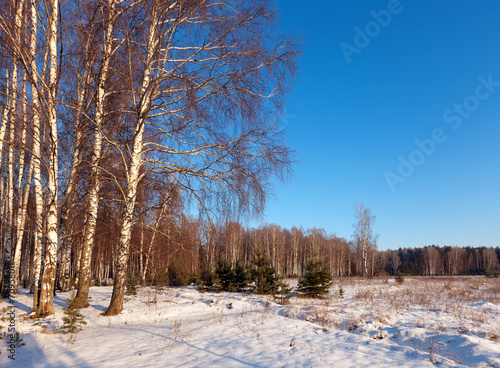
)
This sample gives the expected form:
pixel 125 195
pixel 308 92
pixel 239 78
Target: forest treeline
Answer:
pixel 175 250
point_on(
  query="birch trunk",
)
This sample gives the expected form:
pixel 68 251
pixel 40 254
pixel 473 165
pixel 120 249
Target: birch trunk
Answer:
pixel 46 306
pixel 23 191
pixel 68 200
pixel 81 299
pixel 9 213
pixel 21 220
pixel 10 165
pixel 36 161
pixel 133 177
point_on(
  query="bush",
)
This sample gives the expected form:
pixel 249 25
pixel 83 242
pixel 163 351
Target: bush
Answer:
pixel 341 292
pixel 492 274
pixel 316 281
pixel 206 281
pixel 264 275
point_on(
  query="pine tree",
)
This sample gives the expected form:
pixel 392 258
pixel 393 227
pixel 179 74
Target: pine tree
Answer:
pixel 282 292
pixel 73 320
pixel 264 275
pixel 228 278
pixel 316 281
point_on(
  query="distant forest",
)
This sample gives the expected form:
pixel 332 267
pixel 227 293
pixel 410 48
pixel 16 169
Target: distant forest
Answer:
pixel 184 248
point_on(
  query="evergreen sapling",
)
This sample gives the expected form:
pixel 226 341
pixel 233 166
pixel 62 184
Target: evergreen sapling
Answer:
pixel 316 281
pixel 73 320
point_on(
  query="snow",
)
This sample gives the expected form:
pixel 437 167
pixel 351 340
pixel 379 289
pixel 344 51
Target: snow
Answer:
pixel 378 323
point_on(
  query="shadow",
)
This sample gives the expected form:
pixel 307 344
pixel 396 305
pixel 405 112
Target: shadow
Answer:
pixel 59 301
pixel 32 355
pixel 21 306
pixel 98 307
pixel 248 364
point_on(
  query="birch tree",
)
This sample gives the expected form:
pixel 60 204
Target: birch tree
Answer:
pixel 363 235
pixel 13 30
pixel 46 304
pixel 109 17
pixel 212 76
pixel 36 154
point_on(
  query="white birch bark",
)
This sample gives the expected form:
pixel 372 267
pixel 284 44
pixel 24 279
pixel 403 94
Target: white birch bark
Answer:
pixel 3 201
pixel 133 177
pixel 81 299
pixel 36 161
pixel 68 200
pixel 21 220
pixel 7 272
pixel 46 306
pixel 10 165
pixel 23 193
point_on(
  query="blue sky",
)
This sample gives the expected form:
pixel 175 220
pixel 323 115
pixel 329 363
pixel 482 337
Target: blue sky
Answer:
pixel 430 73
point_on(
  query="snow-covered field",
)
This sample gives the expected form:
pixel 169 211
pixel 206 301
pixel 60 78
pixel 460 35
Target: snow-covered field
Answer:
pixel 424 322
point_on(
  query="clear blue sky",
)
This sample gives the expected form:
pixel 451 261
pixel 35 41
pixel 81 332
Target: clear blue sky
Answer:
pixel 433 72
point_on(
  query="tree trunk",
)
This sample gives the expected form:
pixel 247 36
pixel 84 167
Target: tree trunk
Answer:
pixel 81 299
pixel 24 191
pixel 37 247
pixel 46 306
pixel 133 177
pixel 9 213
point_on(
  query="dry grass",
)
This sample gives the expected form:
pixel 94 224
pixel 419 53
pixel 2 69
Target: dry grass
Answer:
pixel 381 300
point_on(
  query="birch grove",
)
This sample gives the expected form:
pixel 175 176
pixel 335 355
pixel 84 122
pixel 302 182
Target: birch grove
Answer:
pixel 155 95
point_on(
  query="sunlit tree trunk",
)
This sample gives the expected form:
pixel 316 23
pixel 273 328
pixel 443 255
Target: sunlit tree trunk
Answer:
pixel 36 160
pixel 81 299
pixel 9 203
pixel 133 174
pixel 46 305
pixel 23 193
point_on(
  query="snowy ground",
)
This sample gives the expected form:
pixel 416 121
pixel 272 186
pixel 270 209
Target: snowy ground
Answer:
pixel 424 322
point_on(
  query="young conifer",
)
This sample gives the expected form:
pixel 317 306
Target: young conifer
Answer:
pixel 316 281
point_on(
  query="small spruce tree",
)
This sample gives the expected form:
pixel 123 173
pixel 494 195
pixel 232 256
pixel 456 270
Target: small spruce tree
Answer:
pixel 228 278
pixel 399 278
pixel 73 320
pixel 341 292
pixel 241 277
pixel 316 281
pixel 283 292
pixel 264 275
pixel 131 286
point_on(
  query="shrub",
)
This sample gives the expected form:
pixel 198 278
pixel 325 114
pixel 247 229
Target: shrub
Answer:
pixel 316 281
pixel 341 292
pixel 492 274
pixel 206 281
pixel 282 292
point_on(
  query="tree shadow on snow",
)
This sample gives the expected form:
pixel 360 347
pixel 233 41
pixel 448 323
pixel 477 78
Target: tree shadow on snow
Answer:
pixel 32 355
pixel 248 364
